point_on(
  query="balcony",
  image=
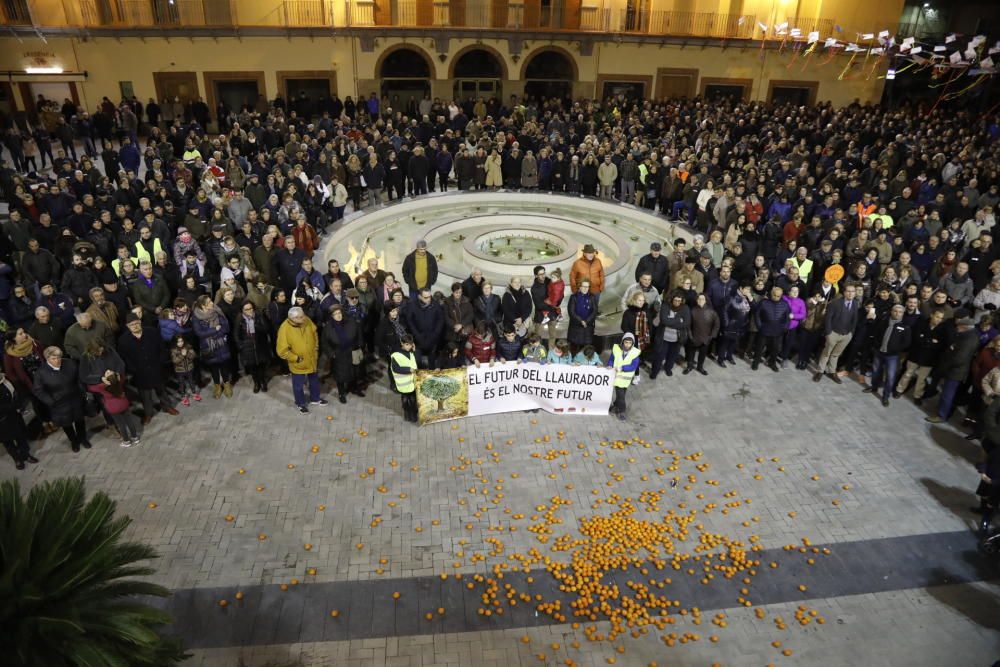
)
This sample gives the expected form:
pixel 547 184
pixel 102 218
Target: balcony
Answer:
pixel 528 16
pixel 145 13
pixel 15 12
pixel 688 24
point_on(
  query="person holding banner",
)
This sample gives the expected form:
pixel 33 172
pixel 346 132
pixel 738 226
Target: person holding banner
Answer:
pixel 582 311
pixel 624 360
pixel 403 365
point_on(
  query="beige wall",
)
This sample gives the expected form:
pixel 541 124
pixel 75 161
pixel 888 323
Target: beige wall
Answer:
pixel 109 61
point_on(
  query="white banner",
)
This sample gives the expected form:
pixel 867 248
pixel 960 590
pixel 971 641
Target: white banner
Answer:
pixel 556 388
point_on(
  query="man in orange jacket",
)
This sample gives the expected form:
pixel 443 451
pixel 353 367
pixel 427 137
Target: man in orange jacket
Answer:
pixel 588 267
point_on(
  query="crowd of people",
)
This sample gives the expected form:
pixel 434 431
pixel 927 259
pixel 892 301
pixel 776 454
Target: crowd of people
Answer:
pixel 851 241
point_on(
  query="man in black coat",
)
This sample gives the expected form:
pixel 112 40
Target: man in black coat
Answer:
pixel 287 263
pixel 13 432
pixel 57 385
pixel 953 366
pixel 141 349
pixel 893 337
pixel 656 265
pixel 772 317
pixel 424 319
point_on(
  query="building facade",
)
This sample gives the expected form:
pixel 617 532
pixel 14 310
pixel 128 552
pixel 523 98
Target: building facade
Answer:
pixel 238 49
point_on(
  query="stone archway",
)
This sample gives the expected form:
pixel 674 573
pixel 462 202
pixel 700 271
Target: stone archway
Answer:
pixel 549 72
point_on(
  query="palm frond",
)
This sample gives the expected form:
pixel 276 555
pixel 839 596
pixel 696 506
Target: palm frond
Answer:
pixel 68 589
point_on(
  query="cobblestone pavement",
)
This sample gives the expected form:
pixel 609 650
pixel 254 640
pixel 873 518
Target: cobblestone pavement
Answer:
pixel 381 500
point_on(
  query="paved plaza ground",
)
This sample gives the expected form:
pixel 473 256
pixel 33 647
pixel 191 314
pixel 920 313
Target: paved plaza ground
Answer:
pixel 243 504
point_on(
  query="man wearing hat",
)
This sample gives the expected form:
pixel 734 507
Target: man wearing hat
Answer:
pixel 255 193
pixel 689 272
pixel 588 267
pixel 656 265
pixel 953 367
pixel 705 267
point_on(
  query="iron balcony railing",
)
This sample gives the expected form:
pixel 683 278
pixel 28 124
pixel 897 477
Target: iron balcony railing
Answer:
pixel 694 24
pixel 480 14
pixel 15 12
pixel 143 13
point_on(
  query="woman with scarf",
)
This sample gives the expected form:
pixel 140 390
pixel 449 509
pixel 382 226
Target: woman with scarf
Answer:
pixel 368 300
pixel 22 356
pixel 390 332
pixel 254 343
pixel 582 312
pixel 212 329
pixel 342 343
pixel 354 177
pixel 388 287
pixel 636 320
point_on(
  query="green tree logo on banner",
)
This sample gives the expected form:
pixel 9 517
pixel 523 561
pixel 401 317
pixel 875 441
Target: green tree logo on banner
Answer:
pixel 439 388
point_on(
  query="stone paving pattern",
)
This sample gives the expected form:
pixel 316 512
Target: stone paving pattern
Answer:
pixel 905 478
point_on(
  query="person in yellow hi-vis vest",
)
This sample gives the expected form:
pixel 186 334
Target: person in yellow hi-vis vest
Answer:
pixel 404 365
pixel 624 360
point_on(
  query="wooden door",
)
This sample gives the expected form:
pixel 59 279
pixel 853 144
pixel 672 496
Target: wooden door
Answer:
pixel 425 12
pixel 383 12
pixel 456 13
pixel 499 14
pixel 182 85
pixel 532 13
pixel 571 15
pixel 673 86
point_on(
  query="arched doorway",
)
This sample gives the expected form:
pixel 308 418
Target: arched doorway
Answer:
pixel 477 73
pixel 549 74
pixel 405 73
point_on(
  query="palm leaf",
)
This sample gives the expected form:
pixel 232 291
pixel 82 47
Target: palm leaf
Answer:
pixel 68 589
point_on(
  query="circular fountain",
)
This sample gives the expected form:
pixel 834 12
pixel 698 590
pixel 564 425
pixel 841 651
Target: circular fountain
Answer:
pixel 505 234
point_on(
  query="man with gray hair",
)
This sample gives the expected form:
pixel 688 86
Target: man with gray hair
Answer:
pixel 87 330
pixel 46 330
pixel 298 344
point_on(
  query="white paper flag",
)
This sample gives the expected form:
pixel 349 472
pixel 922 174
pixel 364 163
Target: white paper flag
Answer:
pixel 830 41
pixel 781 26
pixel 915 50
pixel 955 58
pixel 909 41
pixel 940 49
pixel 877 52
pixel 970 54
pixel 796 32
pixel 813 36
pixel 986 63
pixel 762 27
pixel 868 35
pixel 977 40
pixel 883 34
pixel 949 39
